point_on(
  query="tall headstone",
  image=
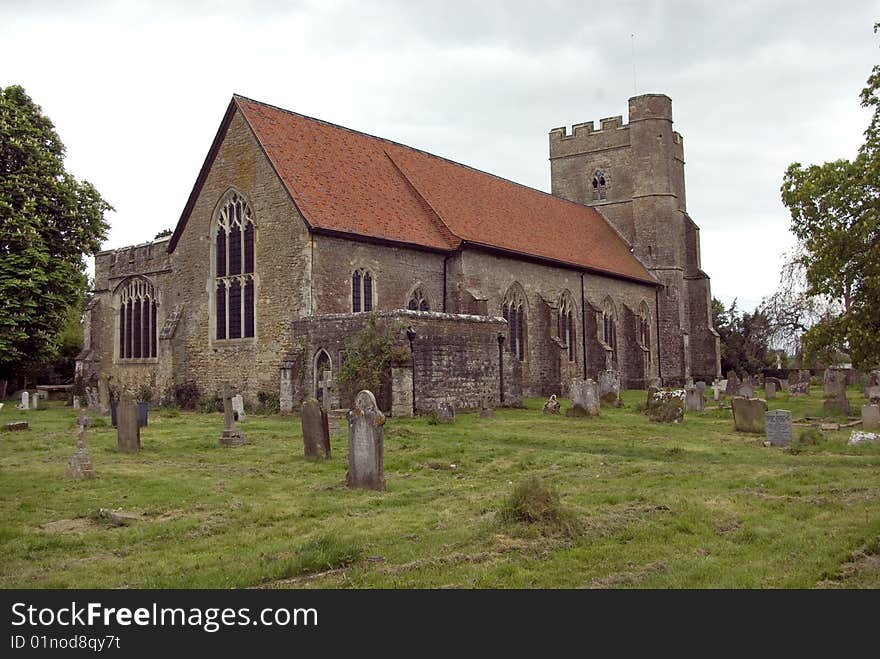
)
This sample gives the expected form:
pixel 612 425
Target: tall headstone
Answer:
pixel 777 425
pixel 609 387
pixel 716 391
pixel 487 410
pixel 80 464
pixel 834 389
pixel 445 412
pixel 732 384
pixel 35 400
pixel 315 430
pixel 748 414
pixel 870 417
pixel 231 435
pixel 694 401
pixel 238 408
pixel 366 444
pixel 770 389
pixel 584 397
pixel 76 403
pixel 25 400
pixel 128 431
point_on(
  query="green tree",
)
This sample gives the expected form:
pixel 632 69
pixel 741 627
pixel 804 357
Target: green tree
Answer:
pixel 745 338
pixel 48 221
pixel 835 215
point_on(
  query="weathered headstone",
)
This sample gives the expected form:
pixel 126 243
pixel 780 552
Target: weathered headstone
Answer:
pixel 694 401
pixel 609 387
pixel 870 417
pixel 584 397
pixel 770 389
pixel 445 412
pixel 366 444
pixel 716 391
pixel 732 384
pixel 872 393
pixel 238 408
pixel 76 403
pixel 80 464
pixel 799 389
pixel 777 425
pixel 667 405
pixel 748 414
pixel 92 398
pixel 128 432
pixel 487 410
pixel 35 400
pixel 315 430
pixel 231 435
pixel 834 390
pixel 25 401
pixel 552 405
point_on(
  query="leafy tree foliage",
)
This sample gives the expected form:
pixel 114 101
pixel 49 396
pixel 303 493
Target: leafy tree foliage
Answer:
pixel 369 355
pixel 835 215
pixel 48 221
pixel 745 338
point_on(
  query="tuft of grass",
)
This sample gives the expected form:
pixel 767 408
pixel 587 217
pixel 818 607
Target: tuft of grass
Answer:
pixel 99 422
pixel 534 502
pixel 810 436
pixel 327 552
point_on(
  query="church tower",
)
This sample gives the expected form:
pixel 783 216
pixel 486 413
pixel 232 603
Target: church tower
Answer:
pixel 634 175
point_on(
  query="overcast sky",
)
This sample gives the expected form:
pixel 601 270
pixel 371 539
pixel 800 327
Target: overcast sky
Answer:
pixel 137 91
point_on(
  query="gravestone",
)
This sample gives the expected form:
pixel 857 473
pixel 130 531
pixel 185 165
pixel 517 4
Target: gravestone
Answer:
pixel 872 393
pixel 770 389
pixel 445 412
pixel 667 405
pixel 870 417
pixel 366 444
pixel 486 408
pixel 747 389
pixel 748 414
pixel 25 401
pixel 80 464
pixel 92 399
pixel 552 405
pixel 799 389
pixel 694 401
pixel 315 430
pixel 128 432
pixel 777 424
pixel 716 391
pixel 231 435
pixel 733 383
pixel 35 400
pixel 337 420
pixel 834 390
pixel 584 397
pixel 16 425
pixel 238 408
pixel 609 387
pixel 76 404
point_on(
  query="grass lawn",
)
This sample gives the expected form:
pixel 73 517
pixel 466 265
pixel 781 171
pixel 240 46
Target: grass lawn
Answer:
pixel 691 505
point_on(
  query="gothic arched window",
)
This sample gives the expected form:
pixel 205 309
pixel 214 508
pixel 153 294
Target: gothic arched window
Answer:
pixel 600 185
pixel 361 291
pixel 609 324
pixel 565 324
pixel 418 301
pixel 513 310
pixel 138 317
pixel 234 302
pixel 643 332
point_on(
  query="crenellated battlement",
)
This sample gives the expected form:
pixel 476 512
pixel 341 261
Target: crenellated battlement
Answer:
pixel 588 128
pixel 145 258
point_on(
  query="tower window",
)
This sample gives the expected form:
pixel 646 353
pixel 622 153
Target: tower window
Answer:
pixel 600 185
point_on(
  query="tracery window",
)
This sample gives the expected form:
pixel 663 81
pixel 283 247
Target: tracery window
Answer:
pixel 138 317
pixel 609 324
pixel 418 301
pixel 643 332
pixel 361 291
pixel 513 310
pixel 565 324
pixel 234 302
pixel 600 187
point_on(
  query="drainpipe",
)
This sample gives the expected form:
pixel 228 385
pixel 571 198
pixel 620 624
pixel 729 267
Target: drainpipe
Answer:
pixel 657 314
pixel 584 325
pixel 445 259
pixel 411 335
pixel 501 368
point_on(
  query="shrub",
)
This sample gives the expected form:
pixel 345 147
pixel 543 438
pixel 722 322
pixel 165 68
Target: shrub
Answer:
pixel 368 357
pixel 269 401
pixel 187 395
pixel 535 503
pixel 99 422
pixel 212 404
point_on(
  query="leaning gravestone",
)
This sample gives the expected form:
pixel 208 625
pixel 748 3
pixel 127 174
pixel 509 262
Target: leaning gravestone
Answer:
pixel 366 444
pixel 770 389
pixel 445 412
pixel 777 425
pixel 584 397
pixel 870 417
pixel 315 429
pixel 128 432
pixel 80 464
pixel 238 408
pixel 834 389
pixel 748 414
pixel 609 387
pixel 733 383
pixel 552 405
pixel 231 435
pixel 694 401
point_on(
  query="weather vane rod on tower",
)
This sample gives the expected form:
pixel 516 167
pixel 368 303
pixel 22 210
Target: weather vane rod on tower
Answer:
pixel 632 37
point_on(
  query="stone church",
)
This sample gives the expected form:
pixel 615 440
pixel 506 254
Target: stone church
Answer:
pixel 298 232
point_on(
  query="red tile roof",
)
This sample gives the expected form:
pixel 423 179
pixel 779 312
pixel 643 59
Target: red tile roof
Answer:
pixel 349 182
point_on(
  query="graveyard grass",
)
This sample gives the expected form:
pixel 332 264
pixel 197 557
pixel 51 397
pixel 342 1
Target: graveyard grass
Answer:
pixel 691 505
